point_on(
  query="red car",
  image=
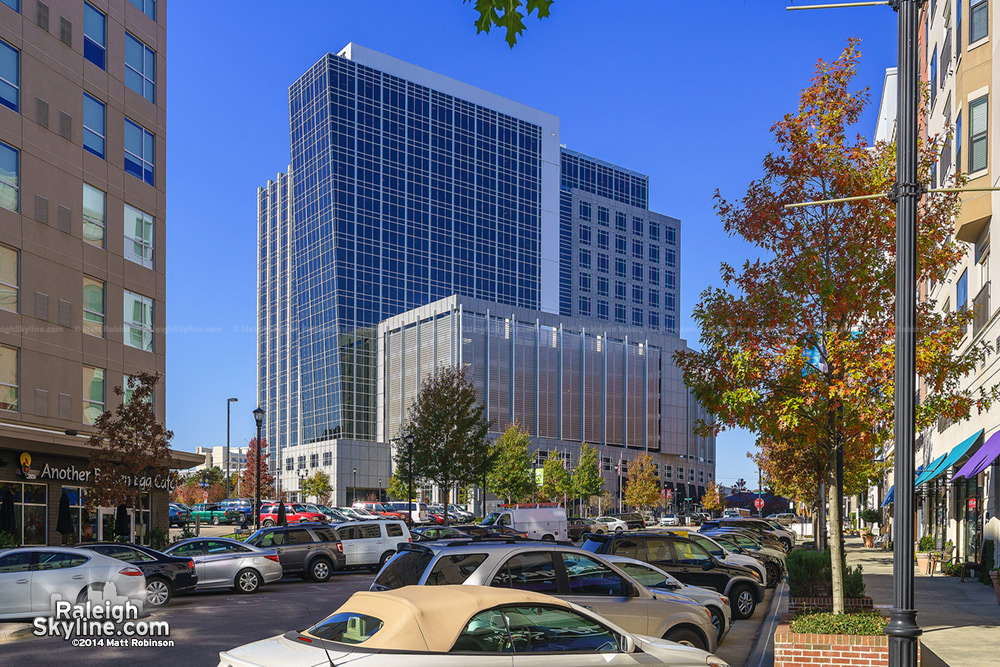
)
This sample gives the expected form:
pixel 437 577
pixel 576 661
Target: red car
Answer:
pixel 384 510
pixel 294 513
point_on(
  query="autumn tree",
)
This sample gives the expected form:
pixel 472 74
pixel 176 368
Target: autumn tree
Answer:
pixel 711 501
pixel 397 488
pixel 587 479
pixel 248 478
pixel 797 346
pixel 449 429
pixel 642 488
pixel 510 475
pixel 130 448
pixel 318 485
pixel 556 481
pixel 507 14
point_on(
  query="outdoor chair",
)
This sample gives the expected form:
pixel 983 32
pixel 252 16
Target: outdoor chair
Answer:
pixel 943 556
pixel 975 565
pixel 882 541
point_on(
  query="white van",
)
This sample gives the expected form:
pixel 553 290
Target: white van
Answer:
pixel 540 521
pixel 418 511
pixel 371 543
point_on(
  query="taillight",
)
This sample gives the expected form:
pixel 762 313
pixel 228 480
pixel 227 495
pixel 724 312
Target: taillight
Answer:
pixel 340 547
pixel 130 571
pixel 190 564
pixel 274 558
pixel 409 539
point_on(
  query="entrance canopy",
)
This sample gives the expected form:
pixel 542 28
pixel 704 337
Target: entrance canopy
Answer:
pixel 946 461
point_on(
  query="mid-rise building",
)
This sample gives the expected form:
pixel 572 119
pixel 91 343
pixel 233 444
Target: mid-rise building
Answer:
pixel 215 457
pixel 82 228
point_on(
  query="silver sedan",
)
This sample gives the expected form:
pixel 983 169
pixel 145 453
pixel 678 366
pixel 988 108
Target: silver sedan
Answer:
pixel 225 563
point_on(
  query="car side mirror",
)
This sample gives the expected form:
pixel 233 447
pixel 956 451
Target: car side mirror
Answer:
pixel 709 565
pixel 627 643
pixel 631 590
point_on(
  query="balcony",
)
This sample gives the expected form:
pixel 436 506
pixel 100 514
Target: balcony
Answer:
pixel 981 307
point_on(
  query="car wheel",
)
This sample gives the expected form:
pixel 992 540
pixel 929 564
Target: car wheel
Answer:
pixel 786 544
pixel 686 637
pixel 215 521
pixel 158 592
pixel 247 581
pixel 718 621
pixel 743 601
pixel 86 590
pixel 381 561
pixel 600 532
pixel 618 529
pixel 550 538
pixel 320 570
pixel 268 523
pixel 773 575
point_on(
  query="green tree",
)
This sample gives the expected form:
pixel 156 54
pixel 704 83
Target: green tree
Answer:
pixel 449 429
pixel 130 448
pixel 507 14
pixel 556 480
pixel 587 479
pixel 642 488
pixel 510 473
pixel 798 346
pixel 397 488
pixel 317 485
pixel 711 501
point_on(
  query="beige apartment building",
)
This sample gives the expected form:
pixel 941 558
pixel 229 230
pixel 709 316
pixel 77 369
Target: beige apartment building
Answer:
pixel 82 228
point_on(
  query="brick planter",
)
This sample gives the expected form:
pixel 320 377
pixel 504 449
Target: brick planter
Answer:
pixel 792 649
pixel 826 604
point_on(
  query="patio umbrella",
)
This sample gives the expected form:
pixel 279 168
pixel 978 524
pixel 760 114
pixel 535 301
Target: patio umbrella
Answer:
pixel 8 521
pixel 64 523
pixel 121 522
pixel 282 518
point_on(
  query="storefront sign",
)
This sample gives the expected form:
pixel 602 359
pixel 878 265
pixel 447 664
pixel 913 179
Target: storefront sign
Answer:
pixel 71 473
pixel 972 504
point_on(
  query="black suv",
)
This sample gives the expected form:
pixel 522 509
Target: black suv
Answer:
pixel 771 536
pixel 634 521
pixel 689 562
pixel 305 549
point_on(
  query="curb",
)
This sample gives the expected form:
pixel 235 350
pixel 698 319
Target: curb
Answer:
pixel 762 653
pixel 13 631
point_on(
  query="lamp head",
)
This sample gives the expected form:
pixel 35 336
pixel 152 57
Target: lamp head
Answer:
pixel 258 416
pixel 409 439
pixel 232 400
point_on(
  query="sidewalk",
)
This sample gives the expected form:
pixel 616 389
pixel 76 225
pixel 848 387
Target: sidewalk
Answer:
pixel 960 621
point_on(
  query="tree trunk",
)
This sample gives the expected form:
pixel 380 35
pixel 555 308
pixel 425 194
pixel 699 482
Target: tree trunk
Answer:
pixel 836 543
pixel 445 490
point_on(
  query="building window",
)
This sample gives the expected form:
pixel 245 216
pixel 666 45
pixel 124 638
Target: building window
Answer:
pixel 290 463
pixel 654 276
pixel 654 253
pixel 602 309
pixel 140 68
pixel 637 294
pixel 979 20
pixel 654 298
pixel 585 235
pixel 671 280
pixel 9 76
pixel 962 292
pixel 9 277
pixel 9 181
pixel 603 215
pixel 93 125
pixel 148 7
pixel 8 378
pixel 93 394
pixel 584 259
pixel 619 313
pixel 668 472
pixel 602 239
pixel 584 306
pixel 637 317
pixel 670 302
pixel 636 271
pixel 958 136
pixel 138 321
pixel 585 211
pixel 606 462
pixel 602 286
pixel 933 76
pixel 620 290
pixel 621 268
pixel 585 282
pixel 314 460
pixel 670 234
pixel 302 463
pixel 654 320
pixel 680 473
pixel 670 322
pixel 690 474
pixel 94 35
pixel 327 458
pixel 129 384
pixel 670 255
pixel 637 252
pixel 654 231
pixel 621 245
pixel 978 148
pixel 93 307
pixel 138 237
pixel 13 4
pixel 603 263
pixel 139 152
pixel 621 222
pixel 637 226
pixel 30 508
pixel 701 476
pixel 94 206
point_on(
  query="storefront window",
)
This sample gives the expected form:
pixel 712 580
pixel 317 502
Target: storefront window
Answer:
pixel 84 521
pixel 29 512
pixel 970 534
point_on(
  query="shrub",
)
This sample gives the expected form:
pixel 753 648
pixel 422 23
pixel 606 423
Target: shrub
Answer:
pixel 810 575
pixel 852 623
pixel 984 575
pixel 8 541
pixel 926 543
pixel 158 538
pixel 870 515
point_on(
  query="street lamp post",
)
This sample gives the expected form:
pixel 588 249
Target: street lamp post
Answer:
pixel 409 472
pixel 354 493
pixel 258 416
pixel 229 403
pixel 380 489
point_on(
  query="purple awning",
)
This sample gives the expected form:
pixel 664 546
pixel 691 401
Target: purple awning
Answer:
pixel 982 459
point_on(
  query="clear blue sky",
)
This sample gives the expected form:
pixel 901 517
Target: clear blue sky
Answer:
pixel 682 90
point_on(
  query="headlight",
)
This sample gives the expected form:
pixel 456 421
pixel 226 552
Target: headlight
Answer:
pixel 756 574
pixel 724 599
pixel 716 662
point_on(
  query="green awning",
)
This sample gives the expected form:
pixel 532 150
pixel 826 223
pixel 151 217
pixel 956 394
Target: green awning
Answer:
pixel 950 459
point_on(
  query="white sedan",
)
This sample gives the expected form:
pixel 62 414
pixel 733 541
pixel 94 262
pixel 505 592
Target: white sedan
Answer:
pixel 463 626
pixel 33 579
pixel 613 524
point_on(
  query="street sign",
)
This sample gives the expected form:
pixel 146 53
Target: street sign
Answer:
pixel 759 503
pixel 204 496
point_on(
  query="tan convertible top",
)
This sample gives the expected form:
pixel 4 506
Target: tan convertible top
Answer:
pixel 430 618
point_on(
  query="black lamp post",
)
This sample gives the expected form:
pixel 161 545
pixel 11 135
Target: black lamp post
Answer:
pixel 229 403
pixel 380 489
pixel 355 492
pixel 409 472
pixel 258 416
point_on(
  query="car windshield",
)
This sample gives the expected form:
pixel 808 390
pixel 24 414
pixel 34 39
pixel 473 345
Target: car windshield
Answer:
pixel 403 569
pixel 594 545
pixel 346 627
pixel 491 519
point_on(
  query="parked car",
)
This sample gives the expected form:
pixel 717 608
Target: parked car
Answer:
pixel 212 513
pixel 359 514
pixel 784 518
pixel 546 521
pixel 567 572
pixel 418 511
pixel 308 550
pixel 427 533
pixel 656 580
pixel 330 514
pixel 178 516
pixel 770 570
pixel 371 543
pixel 33 578
pixel 384 509
pixel 166 576
pixel 242 506
pixel 578 525
pixel 477 530
pixel 612 524
pixel 632 520
pixel 669 520
pixel 689 562
pixel 225 563
pixel 294 513
pixel 743 542
pixel 784 538
pixel 459 626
